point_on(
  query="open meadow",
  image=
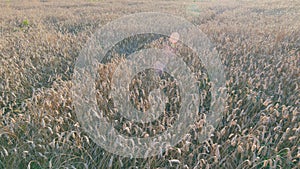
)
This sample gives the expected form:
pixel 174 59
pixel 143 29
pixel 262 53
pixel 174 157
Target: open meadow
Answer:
pixel 258 42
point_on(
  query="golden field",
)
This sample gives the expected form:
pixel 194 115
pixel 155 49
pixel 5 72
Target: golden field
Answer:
pixel 258 43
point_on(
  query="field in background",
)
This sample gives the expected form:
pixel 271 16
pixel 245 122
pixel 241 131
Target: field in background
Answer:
pixel 258 43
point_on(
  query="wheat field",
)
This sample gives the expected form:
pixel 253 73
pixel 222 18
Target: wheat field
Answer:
pixel 258 43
